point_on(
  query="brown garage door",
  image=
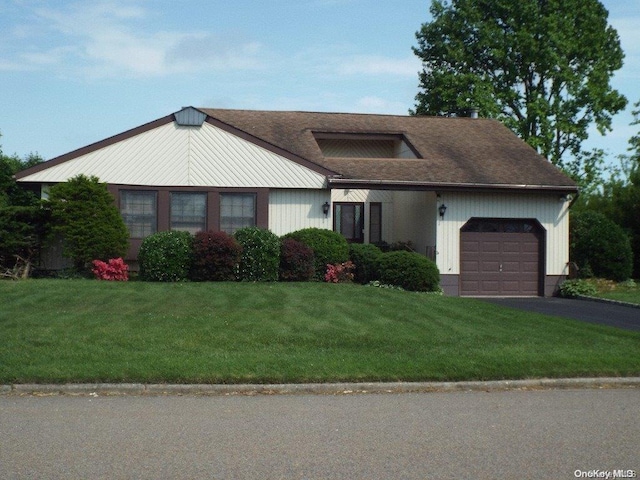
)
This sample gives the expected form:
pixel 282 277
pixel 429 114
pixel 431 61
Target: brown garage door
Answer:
pixel 500 257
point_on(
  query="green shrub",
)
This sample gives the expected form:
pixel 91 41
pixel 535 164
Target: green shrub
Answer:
pixel 216 256
pixel 409 270
pixel 365 257
pixel 85 215
pixel 296 261
pixel 166 257
pixel 576 288
pixel 599 246
pixel 328 247
pixel 260 258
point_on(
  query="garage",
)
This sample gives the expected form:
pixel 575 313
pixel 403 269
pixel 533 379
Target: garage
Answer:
pixel 501 257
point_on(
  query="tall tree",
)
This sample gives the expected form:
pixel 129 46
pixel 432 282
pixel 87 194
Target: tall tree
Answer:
pixel 540 66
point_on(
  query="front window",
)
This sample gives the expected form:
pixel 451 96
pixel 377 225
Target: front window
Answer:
pixel 237 210
pixel 188 212
pixel 348 220
pixel 139 212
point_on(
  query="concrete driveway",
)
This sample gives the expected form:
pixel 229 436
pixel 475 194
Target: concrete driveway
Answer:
pixel 611 314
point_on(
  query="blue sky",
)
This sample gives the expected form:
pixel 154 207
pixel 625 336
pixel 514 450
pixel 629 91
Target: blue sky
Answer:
pixel 76 72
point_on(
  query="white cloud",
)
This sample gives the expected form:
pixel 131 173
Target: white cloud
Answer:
pixel 113 39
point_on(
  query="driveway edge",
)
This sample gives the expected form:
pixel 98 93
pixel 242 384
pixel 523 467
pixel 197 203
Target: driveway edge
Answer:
pixel 608 300
pixel 139 389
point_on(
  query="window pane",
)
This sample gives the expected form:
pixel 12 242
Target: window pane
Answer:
pixel 375 223
pixel 188 212
pixel 237 210
pixel 138 210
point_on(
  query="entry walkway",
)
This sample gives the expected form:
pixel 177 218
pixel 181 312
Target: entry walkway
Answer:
pixel 612 314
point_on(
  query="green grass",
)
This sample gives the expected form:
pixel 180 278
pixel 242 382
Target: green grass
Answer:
pixel 88 331
pixel 622 292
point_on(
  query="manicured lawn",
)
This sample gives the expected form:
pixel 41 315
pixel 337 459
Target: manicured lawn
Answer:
pixel 622 293
pixel 90 331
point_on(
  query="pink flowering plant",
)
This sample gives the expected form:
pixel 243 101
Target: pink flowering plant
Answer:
pixel 115 270
pixel 340 272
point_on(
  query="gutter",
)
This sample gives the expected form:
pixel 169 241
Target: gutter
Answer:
pixel 454 186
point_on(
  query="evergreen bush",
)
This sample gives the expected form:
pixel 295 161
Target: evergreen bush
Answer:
pixel 260 257
pixel 216 256
pixel 166 257
pixel 365 257
pixel 296 261
pixel 328 247
pixel 85 215
pixel 599 246
pixel 409 270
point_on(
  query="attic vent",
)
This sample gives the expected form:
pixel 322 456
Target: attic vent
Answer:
pixel 364 146
pixel 190 117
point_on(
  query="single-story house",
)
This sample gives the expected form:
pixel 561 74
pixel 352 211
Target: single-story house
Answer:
pixel 467 192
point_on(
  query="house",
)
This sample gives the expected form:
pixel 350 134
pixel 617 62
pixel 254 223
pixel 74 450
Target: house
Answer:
pixel 491 212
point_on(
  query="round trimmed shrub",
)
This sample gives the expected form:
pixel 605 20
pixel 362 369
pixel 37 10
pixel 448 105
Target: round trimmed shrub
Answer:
pixel 328 247
pixel 260 258
pixel 166 257
pixel 216 256
pixel 365 256
pixel 599 247
pixel 296 261
pixel 409 270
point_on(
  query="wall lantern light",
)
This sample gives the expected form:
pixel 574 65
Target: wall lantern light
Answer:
pixel 441 209
pixel 325 208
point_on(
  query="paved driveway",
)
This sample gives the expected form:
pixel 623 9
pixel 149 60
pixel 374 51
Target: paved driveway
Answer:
pixel 614 315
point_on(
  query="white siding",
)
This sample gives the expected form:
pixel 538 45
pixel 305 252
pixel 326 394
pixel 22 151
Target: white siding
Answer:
pixel 552 214
pixel 186 156
pixel 291 210
pixel 414 214
pixel 384 197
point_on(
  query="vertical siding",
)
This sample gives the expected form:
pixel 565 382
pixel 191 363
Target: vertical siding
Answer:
pixel 384 197
pixel 414 214
pixel 291 210
pixel 552 214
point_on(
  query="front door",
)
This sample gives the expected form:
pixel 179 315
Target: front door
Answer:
pixel 348 220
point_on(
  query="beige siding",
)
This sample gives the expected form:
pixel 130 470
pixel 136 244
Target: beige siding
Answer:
pixel 367 197
pixel 186 156
pixel 291 210
pixel 552 214
pixel 414 214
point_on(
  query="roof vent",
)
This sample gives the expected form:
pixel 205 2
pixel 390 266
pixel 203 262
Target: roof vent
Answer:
pixel 190 117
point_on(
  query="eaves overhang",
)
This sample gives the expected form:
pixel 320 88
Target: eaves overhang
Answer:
pixel 340 182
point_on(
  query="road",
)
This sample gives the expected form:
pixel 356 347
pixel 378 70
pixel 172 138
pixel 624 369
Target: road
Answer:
pixel 463 435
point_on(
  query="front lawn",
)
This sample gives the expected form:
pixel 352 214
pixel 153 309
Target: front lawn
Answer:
pixel 90 331
pixel 623 292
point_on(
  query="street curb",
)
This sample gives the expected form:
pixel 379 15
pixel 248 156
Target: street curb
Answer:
pixel 139 389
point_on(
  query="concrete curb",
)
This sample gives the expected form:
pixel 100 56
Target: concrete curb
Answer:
pixel 608 300
pixel 139 389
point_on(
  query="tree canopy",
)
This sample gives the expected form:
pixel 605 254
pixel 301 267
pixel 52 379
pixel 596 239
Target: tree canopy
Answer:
pixel 542 67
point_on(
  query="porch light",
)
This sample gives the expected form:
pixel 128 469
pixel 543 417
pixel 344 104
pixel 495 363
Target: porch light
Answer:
pixel 441 209
pixel 325 208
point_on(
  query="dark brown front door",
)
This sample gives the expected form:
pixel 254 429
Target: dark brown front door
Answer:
pixel 500 258
pixel 348 219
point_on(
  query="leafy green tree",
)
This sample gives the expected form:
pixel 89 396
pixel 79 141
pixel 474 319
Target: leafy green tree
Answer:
pixel 86 217
pixel 542 67
pixel 23 223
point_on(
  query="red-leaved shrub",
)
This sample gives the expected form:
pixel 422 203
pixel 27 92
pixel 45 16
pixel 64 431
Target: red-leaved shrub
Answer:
pixel 296 261
pixel 216 256
pixel 115 270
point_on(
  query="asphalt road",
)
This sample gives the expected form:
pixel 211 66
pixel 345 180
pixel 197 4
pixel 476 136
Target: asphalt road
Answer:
pixel 466 435
pixel 614 315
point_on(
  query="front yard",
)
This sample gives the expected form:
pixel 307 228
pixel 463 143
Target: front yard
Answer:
pixel 89 331
pixel 623 292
